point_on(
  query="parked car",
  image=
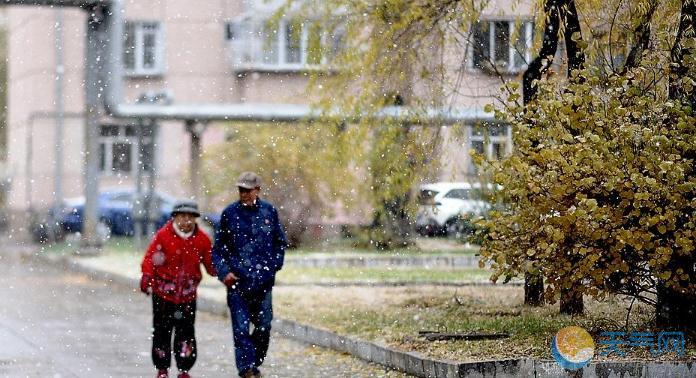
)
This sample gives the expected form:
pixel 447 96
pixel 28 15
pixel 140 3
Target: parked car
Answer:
pixel 210 222
pixel 115 209
pixel 441 205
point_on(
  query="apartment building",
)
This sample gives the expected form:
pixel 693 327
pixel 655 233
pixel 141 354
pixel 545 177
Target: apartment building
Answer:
pixel 183 52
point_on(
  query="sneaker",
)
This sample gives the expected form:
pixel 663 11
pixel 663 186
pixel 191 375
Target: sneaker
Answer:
pixel 183 374
pixel 163 373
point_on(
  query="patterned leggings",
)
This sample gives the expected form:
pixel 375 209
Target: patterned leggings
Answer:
pixel 178 318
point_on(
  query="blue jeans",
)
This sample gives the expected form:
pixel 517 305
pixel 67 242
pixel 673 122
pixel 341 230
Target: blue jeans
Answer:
pixel 255 308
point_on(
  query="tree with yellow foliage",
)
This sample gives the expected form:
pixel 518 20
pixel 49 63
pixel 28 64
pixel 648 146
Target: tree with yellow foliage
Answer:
pixel 600 190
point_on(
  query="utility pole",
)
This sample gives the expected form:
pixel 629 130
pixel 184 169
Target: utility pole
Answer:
pixel 138 209
pixel 94 65
pixel 145 210
pixel 152 208
pixel 60 110
pixel 196 130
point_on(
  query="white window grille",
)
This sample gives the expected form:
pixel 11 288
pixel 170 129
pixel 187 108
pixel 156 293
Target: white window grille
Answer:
pixel 143 50
pixel 118 150
pixel 501 45
pixel 286 44
pixel 492 141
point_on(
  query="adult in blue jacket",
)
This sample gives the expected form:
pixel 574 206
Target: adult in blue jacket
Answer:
pixel 249 250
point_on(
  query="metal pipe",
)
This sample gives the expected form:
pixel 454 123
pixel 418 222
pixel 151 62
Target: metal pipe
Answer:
pixel 94 59
pixel 138 200
pixel 195 130
pixel 260 112
pixel 60 109
pixel 57 3
pixel 152 205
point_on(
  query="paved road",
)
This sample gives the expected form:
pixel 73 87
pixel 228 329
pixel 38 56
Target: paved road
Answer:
pixel 59 324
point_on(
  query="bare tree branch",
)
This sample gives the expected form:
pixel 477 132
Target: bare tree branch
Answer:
pixel 573 37
pixel 642 33
pixel 687 27
pixel 549 46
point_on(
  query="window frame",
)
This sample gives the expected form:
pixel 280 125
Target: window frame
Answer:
pixel 510 68
pixel 247 50
pixel 488 141
pixel 451 192
pixel 428 200
pixel 106 149
pixel 139 33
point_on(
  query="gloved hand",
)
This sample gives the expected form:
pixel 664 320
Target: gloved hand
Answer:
pixel 146 284
pixel 230 279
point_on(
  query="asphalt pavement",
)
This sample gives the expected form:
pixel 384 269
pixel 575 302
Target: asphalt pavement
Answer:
pixel 55 323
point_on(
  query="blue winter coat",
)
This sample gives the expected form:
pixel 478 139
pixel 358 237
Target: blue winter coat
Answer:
pixel 250 243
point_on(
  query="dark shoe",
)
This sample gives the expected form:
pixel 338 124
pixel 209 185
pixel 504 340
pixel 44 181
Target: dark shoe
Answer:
pixel 163 373
pixel 251 374
pixel 183 374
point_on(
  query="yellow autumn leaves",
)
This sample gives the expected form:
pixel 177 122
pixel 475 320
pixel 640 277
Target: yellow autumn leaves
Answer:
pixel 600 191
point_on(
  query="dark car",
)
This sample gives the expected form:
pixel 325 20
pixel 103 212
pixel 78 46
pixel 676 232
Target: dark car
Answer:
pixel 115 209
pixel 211 222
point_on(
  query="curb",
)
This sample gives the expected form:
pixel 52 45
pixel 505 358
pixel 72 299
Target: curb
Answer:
pixel 451 261
pixel 412 362
pixel 397 283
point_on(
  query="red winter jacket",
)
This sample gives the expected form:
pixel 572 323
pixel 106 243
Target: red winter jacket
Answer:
pixel 172 263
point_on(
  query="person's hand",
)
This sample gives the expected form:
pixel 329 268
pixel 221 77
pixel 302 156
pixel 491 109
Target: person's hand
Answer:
pixel 146 284
pixel 229 279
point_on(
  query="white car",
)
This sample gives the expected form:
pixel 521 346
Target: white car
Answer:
pixel 441 203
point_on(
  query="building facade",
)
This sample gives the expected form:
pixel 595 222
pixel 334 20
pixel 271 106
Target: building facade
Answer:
pixel 183 52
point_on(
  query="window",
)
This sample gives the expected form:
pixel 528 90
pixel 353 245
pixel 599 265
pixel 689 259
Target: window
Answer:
pixel 458 194
pixel 427 197
pixel 287 44
pixel 123 197
pixel 142 50
pixel 118 150
pixel 492 141
pixel 501 45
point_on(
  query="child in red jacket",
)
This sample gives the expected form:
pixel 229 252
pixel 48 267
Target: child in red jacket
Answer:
pixel 171 273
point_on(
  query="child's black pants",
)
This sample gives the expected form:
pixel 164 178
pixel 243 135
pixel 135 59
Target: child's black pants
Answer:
pixel 179 319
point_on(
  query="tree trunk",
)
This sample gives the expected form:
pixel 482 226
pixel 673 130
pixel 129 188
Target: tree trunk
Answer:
pixel 391 226
pixel 687 25
pixel 571 302
pixel 533 289
pixel 572 34
pixel 642 35
pixel 556 11
pixel 676 307
pixel 534 283
pixel 571 299
pixel 549 45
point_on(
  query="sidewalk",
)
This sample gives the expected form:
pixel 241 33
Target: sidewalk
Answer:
pixel 124 269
